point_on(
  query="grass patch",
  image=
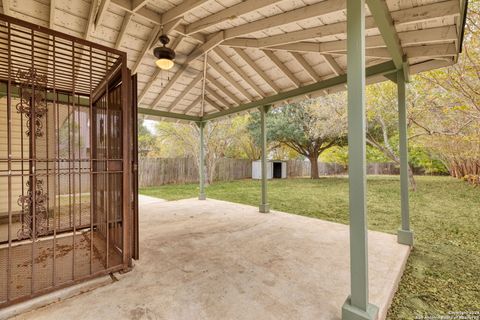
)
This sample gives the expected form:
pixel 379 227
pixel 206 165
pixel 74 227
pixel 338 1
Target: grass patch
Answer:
pixel 443 271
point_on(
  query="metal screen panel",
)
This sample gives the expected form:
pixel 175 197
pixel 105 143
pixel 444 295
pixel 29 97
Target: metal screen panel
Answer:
pixel 65 169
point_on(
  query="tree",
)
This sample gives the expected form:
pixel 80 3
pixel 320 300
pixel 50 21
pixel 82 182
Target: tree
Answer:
pixel 382 122
pixel 219 136
pixel 146 140
pixel 309 127
pixel 448 118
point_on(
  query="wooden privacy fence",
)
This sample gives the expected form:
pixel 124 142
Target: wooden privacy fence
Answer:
pixel 160 171
pixel 300 168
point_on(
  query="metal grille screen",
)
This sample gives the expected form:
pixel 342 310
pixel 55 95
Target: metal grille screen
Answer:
pixel 62 160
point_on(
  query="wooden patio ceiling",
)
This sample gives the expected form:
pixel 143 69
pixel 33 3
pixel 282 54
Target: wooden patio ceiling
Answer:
pixel 234 55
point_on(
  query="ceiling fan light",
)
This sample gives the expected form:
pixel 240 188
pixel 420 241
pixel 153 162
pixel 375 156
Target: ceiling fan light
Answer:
pixel 164 57
pixel 164 64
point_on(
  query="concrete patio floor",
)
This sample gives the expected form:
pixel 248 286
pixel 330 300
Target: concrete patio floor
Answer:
pixel 219 260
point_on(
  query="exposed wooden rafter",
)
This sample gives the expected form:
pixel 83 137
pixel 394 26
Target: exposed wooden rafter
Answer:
pixel 383 19
pixel 425 36
pixel 123 29
pixel 306 66
pixel 333 64
pixel 238 70
pixel 138 4
pixel 231 80
pixel 221 87
pixel 282 67
pixel 227 14
pixel 146 47
pixel 192 105
pixel 51 19
pixel 102 10
pixel 255 67
pixel 91 19
pixel 189 88
pixel 168 86
pixel 420 14
pixel 217 96
pixel 180 10
pixel 213 104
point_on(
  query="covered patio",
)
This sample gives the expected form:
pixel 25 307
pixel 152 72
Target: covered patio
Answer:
pixel 219 260
pixel 253 55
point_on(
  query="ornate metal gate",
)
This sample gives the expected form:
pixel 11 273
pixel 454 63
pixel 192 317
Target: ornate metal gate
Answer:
pixel 66 151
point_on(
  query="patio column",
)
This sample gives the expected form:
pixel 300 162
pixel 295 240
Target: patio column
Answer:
pixel 201 165
pixel 356 306
pixel 264 207
pixel 405 235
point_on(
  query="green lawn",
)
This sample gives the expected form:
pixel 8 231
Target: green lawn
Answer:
pixel 443 271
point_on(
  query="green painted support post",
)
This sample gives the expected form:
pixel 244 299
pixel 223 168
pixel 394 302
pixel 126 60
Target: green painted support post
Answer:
pixel 264 207
pixel 405 235
pixel 201 166
pixel 357 307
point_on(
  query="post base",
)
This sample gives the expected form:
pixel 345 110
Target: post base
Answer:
pixel 202 196
pixel 350 312
pixel 405 237
pixel 264 208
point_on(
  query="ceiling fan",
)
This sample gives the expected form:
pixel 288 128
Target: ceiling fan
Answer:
pixel 165 56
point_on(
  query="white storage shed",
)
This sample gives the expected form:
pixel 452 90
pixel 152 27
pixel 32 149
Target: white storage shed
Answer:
pixel 275 169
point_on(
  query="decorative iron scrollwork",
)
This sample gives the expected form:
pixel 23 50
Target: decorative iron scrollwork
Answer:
pixel 26 201
pixel 32 95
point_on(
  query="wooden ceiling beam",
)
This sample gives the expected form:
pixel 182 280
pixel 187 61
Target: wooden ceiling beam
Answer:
pixel 91 19
pixel 102 9
pixel 384 21
pixel 143 12
pixel 146 47
pixel 257 69
pixel 193 105
pixel 228 14
pixel 283 68
pixel 296 15
pixel 189 88
pixel 213 104
pixel 231 80
pixel 182 9
pixel 333 64
pixel 306 66
pixel 377 70
pixel 222 88
pixel 168 86
pixel 217 96
pixel 138 4
pixel 148 85
pixel 239 71
pixel 420 14
pixel 51 20
pixel 206 47
pixel 430 35
pixel 126 20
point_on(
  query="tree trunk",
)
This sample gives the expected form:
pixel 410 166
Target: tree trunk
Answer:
pixel 411 178
pixel 313 167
